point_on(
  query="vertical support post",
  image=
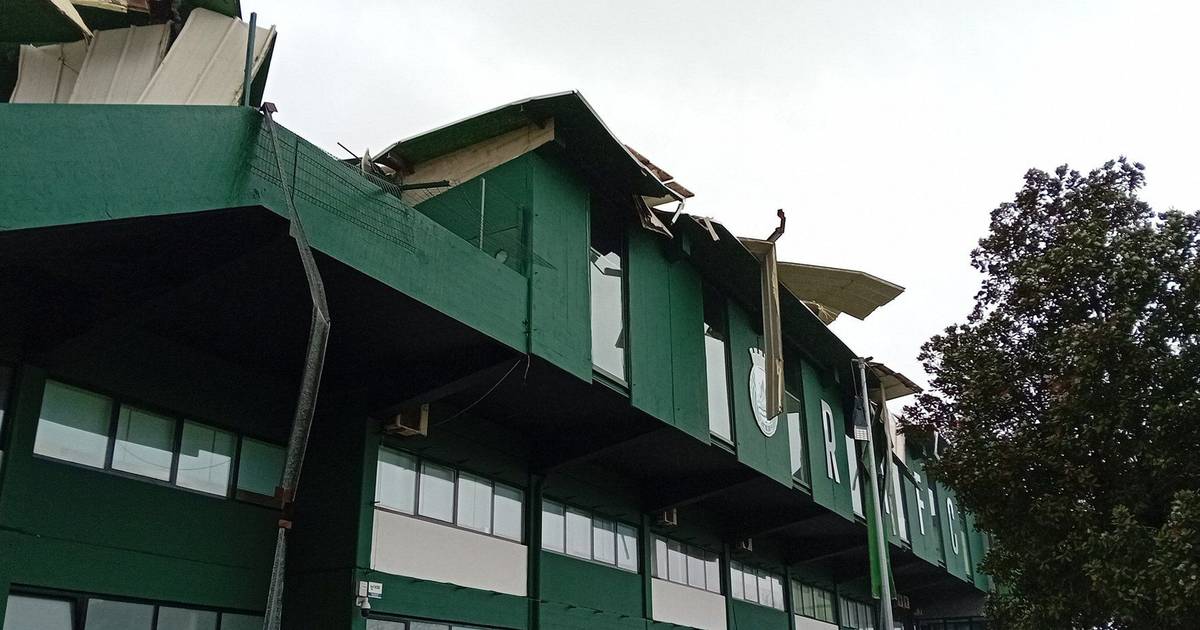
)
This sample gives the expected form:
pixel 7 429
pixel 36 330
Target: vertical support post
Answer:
pixel 533 580
pixel 248 70
pixel 789 599
pixel 646 553
pixel 482 205
pixel 881 542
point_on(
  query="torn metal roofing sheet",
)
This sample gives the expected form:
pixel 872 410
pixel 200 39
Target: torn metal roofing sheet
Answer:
pixel 119 64
pixel 205 64
pixel 894 384
pixel 47 74
pixel 577 126
pixel 844 290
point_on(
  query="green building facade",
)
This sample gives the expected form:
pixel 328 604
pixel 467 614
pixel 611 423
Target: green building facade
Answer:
pixel 590 455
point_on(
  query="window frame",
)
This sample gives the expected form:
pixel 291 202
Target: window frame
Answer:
pixel 79 604
pixel 714 299
pixel 118 402
pixel 759 574
pixel 419 463
pixel 800 605
pixel 687 550
pixel 592 517
pixel 621 241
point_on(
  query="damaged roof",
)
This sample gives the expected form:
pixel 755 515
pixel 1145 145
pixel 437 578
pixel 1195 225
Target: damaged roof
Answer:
pixel 578 128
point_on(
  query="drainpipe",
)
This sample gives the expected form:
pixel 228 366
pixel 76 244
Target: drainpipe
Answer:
pixel 881 543
pixel 310 381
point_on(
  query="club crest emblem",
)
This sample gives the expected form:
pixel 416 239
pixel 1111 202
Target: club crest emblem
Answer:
pixel 758 393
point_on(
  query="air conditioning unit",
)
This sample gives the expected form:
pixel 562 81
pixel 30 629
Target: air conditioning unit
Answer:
pixel 410 421
pixel 668 518
pixel 745 545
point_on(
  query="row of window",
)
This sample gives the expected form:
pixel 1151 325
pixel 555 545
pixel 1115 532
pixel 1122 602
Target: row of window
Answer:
pixel 810 601
pixel 90 429
pixel 77 612
pixel 404 484
pixel 756 586
pixel 687 565
pixel 578 533
pixel 857 615
pixel 383 624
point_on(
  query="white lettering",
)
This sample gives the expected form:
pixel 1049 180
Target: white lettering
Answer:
pixel 951 521
pixel 831 468
pixel 921 511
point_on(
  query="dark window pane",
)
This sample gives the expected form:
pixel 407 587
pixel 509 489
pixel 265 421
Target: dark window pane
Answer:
pixel 230 621
pixel 184 619
pixel 103 614
pixel 260 467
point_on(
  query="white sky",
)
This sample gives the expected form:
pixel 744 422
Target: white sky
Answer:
pixel 888 130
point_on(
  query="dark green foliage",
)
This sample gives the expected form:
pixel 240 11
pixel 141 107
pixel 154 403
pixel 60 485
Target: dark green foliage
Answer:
pixel 1071 396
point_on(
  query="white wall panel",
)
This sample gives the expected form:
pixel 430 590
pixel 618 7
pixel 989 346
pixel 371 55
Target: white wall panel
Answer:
pixel 687 606
pixel 404 545
pixel 806 623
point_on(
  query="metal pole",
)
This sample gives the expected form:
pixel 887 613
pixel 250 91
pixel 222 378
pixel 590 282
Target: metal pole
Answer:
pixel 881 544
pixel 249 69
pixel 482 201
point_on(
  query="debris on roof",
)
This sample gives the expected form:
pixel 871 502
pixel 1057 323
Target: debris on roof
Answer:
pixel 205 65
pixel 47 74
pixel 837 291
pixel 120 63
pixel 135 63
pixel 893 383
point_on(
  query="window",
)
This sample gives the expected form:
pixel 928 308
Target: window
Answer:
pixel 68 611
pixel 396 481
pixel 474 510
pixel 553 527
pixel 145 444
pixel 73 425
pixel 444 494
pixel 508 513
pixel 857 615
pixel 580 534
pixel 758 586
pixel 79 426
pixel 607 280
pixel 794 413
pixel 39 613
pixel 716 365
pixel 687 565
pixel 184 619
pixel 103 614
pixel 813 602
pixel 205 459
pixel 260 467
pixel 380 624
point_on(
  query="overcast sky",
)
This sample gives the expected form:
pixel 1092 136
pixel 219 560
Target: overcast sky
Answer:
pixel 887 129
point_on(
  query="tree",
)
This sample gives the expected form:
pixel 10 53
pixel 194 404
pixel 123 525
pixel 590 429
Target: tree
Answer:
pixel 1071 399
